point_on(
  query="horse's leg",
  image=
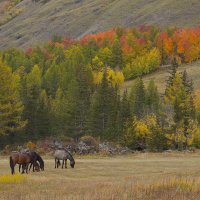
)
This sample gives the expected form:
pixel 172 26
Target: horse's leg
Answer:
pixel 19 167
pixel 12 165
pixel 27 167
pixel 23 167
pixel 58 163
pixel 30 167
pixel 56 166
pixel 34 164
pixel 63 163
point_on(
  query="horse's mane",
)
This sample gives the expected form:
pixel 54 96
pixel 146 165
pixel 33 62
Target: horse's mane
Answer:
pixel 39 158
pixel 69 154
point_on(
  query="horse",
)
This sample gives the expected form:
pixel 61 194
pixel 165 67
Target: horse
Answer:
pixel 37 158
pixel 23 159
pixel 63 154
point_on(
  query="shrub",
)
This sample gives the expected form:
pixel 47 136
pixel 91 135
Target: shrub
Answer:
pixel 89 140
pixel 31 145
pixel 7 150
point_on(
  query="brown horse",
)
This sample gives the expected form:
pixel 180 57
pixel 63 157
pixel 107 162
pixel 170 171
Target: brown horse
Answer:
pixel 21 159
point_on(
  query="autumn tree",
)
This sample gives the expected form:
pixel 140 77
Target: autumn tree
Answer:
pixel 11 107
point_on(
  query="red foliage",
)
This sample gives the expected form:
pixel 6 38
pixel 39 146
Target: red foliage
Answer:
pixel 28 51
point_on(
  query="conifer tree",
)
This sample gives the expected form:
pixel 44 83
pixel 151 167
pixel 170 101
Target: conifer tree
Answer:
pixel 32 100
pixel 104 109
pixel 152 98
pixel 117 54
pixel 137 98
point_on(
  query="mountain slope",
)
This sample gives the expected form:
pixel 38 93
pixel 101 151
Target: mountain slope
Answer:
pixel 41 19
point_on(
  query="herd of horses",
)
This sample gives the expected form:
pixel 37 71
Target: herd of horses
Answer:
pixel 27 159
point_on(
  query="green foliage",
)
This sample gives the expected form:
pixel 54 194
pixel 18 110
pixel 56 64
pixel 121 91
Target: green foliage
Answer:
pixel 72 89
pixel 143 64
pixel 137 98
pixel 152 98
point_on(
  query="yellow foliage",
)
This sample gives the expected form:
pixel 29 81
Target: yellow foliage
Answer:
pixel 115 77
pixel 151 121
pixel 179 137
pixel 197 100
pixel 16 178
pixel 141 129
pixel 31 145
pixel 143 64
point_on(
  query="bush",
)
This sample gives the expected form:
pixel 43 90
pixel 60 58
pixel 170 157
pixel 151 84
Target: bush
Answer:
pixel 7 150
pixel 31 145
pixel 89 140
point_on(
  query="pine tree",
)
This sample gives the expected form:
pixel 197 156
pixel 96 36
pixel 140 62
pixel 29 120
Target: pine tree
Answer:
pixel 117 54
pixel 137 98
pixel 171 74
pixel 77 85
pixel 152 98
pixel 124 114
pixel 32 100
pixel 104 110
pixel 180 95
pixel 189 108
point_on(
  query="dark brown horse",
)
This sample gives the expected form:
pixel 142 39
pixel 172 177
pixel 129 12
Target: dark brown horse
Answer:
pixel 21 159
pixel 36 159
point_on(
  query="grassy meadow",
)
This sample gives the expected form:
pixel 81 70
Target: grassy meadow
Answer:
pixel 137 176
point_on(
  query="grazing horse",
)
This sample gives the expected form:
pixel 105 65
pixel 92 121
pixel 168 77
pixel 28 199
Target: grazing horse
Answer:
pixel 63 155
pixel 37 158
pixel 21 159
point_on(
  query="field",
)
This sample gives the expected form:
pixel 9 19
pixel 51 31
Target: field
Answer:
pixel 137 176
pixel 38 22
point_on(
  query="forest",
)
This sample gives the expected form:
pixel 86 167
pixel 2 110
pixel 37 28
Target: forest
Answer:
pixel 72 88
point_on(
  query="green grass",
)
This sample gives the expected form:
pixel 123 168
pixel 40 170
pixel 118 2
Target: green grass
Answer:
pixel 39 21
pixel 138 176
pixel 162 75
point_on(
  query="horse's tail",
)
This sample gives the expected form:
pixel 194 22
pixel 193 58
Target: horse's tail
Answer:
pixel 11 165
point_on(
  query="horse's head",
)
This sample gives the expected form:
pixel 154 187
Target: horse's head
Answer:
pixel 42 165
pixel 72 163
pixel 37 167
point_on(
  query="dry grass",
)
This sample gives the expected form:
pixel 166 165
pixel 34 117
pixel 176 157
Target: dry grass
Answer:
pixel 139 176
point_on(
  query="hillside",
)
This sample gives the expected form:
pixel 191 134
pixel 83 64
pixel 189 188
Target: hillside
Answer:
pixel 161 76
pixel 38 20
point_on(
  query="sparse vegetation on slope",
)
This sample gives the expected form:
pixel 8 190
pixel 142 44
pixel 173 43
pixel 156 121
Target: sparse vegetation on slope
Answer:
pixel 76 18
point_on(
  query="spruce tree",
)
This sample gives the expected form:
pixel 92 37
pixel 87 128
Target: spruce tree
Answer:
pixel 137 98
pixel 32 101
pixel 117 54
pixel 152 98
pixel 104 110
pixel 171 74
pixel 124 114
pixel 99 108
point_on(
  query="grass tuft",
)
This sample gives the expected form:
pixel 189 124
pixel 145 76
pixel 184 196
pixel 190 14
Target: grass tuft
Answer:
pixel 17 178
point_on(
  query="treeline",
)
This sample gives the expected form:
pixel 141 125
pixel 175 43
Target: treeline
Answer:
pixel 73 88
